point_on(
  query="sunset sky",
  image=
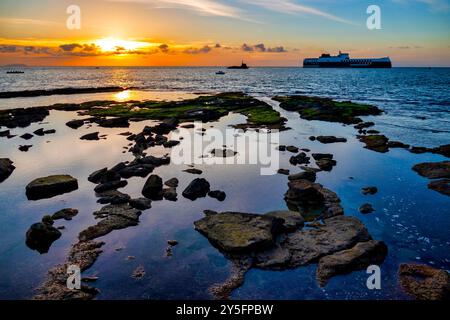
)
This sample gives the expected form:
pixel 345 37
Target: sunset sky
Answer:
pixel 216 33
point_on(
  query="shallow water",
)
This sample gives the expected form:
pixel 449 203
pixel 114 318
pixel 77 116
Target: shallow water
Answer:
pixel 411 219
pixel 416 100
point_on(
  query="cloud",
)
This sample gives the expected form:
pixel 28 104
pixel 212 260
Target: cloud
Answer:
pixel 204 7
pixel 289 7
pixel 260 47
pixel 7 48
pixel 164 48
pixel 70 47
pixel 204 49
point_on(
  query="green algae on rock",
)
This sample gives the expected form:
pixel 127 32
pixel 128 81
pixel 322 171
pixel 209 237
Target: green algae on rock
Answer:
pixel 325 109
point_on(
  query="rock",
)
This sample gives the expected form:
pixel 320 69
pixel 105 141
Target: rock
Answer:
pixel 82 254
pixel 23 117
pixel 441 186
pixel 138 170
pixel 433 170
pixel 113 217
pixel 369 190
pixel 171 143
pixel 424 282
pixel 217 194
pixel 188 126
pixel 320 156
pixel 112 197
pixel 170 194
pixel 39 132
pixel 292 149
pixel 198 188
pixel 114 123
pixel 157 162
pixel 172 242
pixel 193 171
pixel 140 203
pixel 419 150
pixel 41 235
pixel 165 127
pixel 292 220
pixel 90 136
pixel 312 138
pixel 96 176
pixel 47 187
pixel 5 133
pixel 224 153
pixel 358 257
pixel 300 158
pixel 110 185
pixel 281 147
pixel 366 208
pixel 309 175
pixel 337 234
pixel 364 125
pixel 376 143
pixel 283 171
pixel 443 150
pixel 26 136
pixel 326 164
pixel 153 188
pixel 172 183
pixel 397 144
pixel 330 139
pixel 25 148
pixel 66 214
pixel 304 193
pixel 138 273
pixel 238 232
pixel 6 168
pixel 75 124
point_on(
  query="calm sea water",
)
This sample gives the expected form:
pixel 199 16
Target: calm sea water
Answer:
pixel 416 100
pixel 411 219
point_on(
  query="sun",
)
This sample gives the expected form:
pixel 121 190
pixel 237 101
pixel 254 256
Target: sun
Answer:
pixel 113 44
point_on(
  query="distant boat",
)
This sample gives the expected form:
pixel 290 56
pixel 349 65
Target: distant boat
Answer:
pixel 14 71
pixel 242 66
pixel 343 61
pixel 220 72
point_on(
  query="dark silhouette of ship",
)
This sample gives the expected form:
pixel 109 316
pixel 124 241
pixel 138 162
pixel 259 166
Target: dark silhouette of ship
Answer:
pixel 242 66
pixel 343 61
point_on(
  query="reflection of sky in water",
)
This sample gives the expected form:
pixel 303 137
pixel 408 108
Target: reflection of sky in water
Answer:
pixel 411 219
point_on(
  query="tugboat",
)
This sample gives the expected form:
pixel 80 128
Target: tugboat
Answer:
pixel 242 66
pixel 343 61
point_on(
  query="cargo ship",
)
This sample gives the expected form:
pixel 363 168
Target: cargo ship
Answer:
pixel 343 61
pixel 242 66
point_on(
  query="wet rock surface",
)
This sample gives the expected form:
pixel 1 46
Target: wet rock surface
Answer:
pixel 424 282
pixel 66 214
pixel 442 186
pixel 378 143
pixel 330 139
pixel 22 117
pixel 153 188
pixel 198 188
pixel 41 235
pixel 6 168
pixel 366 208
pixel 358 257
pixel 47 187
pixel 433 170
pixel 369 190
pixel 217 194
pixel 140 203
pixel 75 124
pixel 90 136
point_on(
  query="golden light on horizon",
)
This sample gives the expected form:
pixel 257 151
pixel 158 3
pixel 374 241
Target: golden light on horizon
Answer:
pixel 123 95
pixel 113 44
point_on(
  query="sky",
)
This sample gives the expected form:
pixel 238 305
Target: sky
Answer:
pixel 220 32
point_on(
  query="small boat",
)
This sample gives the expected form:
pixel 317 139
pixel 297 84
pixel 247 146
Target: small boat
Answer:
pixel 242 66
pixel 220 72
pixel 14 71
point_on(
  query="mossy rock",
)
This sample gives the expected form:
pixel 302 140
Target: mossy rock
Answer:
pixel 47 187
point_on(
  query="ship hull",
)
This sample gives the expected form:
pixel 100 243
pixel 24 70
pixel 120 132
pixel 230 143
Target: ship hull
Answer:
pixel 379 65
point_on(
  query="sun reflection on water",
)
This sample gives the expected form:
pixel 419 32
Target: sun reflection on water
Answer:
pixel 123 95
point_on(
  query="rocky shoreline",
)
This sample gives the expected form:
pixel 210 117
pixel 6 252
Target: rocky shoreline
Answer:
pixel 313 231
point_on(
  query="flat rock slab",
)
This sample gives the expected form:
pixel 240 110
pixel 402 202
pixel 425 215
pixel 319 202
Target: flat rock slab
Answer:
pixel 47 187
pixel 292 220
pixel 358 257
pixel 424 282
pixel 238 232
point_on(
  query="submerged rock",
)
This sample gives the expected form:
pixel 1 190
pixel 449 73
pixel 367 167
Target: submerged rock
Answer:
pixel 441 186
pixel 378 143
pixel 366 208
pixel 358 257
pixel 238 232
pixel 193 171
pixel 198 188
pixel 66 214
pixel 369 190
pixel 424 282
pixel 6 168
pixel 41 235
pixel 170 194
pixel 114 217
pixel 153 188
pixel 47 187
pixel 433 170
